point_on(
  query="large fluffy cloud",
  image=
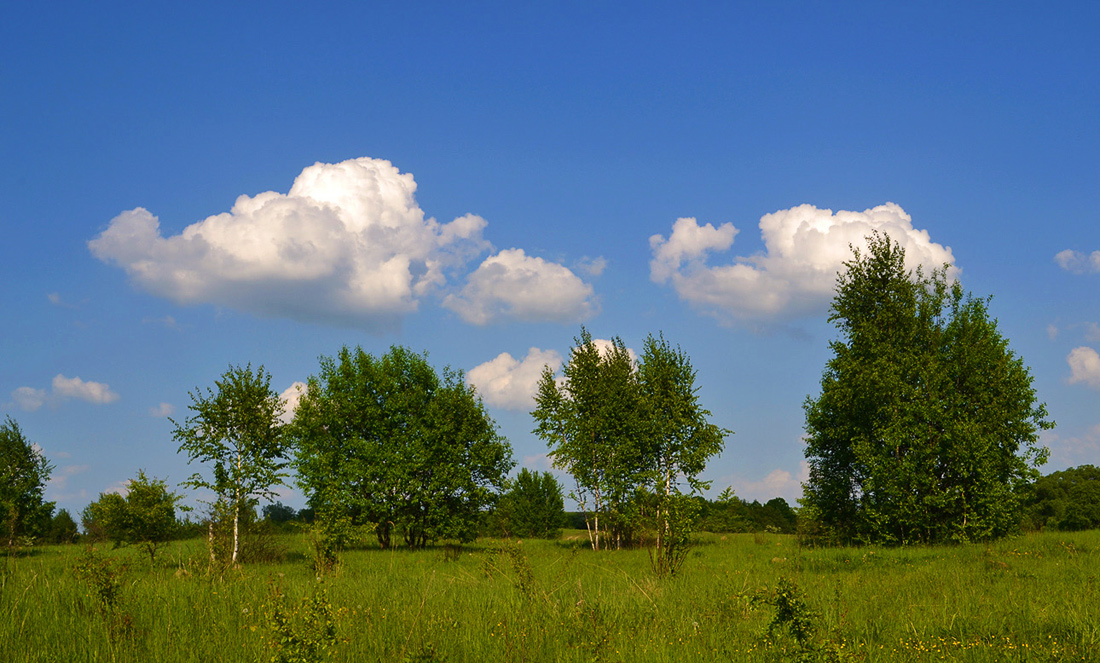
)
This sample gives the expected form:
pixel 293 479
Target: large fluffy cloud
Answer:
pixel 510 383
pixel 805 248
pixel 348 244
pixel 1077 262
pixel 512 284
pixel 1084 366
pixel 62 389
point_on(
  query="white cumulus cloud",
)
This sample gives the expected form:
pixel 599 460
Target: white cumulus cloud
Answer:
pixel 1084 366
pixel 348 244
pixel 805 248
pixel 92 392
pixel 30 399
pixel 513 285
pixel 510 383
pixel 291 396
pixel 1078 262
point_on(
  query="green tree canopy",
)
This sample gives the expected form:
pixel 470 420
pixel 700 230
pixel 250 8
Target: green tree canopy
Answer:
pixel 24 472
pixel 150 514
pixel 621 428
pixel 236 430
pixel 595 427
pixel 105 518
pixel 145 516
pixel 533 506
pixel 393 444
pixel 63 528
pixel 926 427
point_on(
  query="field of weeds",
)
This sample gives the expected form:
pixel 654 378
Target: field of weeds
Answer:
pixel 739 597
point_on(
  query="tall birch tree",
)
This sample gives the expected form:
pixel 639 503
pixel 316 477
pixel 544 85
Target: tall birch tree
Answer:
pixel 235 429
pixel 593 424
pixel 679 441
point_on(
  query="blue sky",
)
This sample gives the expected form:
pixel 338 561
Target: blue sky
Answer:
pixel 482 179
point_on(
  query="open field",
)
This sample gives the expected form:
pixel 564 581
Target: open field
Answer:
pixel 1031 598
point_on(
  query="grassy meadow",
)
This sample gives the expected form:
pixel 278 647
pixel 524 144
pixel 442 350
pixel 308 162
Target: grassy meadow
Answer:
pixel 1030 598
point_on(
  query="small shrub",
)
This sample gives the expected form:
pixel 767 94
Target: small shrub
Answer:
pixel 103 578
pixel 304 632
pixel 794 616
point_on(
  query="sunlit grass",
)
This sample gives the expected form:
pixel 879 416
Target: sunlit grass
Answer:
pixel 1031 598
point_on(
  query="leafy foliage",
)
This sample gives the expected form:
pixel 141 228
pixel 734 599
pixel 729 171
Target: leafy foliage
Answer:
pixel 593 424
pixel 393 445
pixel 236 429
pixel 729 513
pixel 145 517
pixel 533 507
pixel 632 436
pixel 1066 500
pixel 680 442
pixel 304 632
pixel 105 518
pixel 926 428
pixel 150 513
pixel 24 472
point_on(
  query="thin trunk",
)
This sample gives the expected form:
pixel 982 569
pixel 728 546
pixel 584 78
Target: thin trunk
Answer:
pixel 210 540
pixel 237 511
pixel 582 502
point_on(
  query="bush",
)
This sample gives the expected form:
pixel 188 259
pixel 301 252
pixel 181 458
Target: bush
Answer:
pixel 533 507
pixel 146 517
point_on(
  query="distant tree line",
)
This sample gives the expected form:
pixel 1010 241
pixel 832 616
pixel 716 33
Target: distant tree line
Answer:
pixel 1067 500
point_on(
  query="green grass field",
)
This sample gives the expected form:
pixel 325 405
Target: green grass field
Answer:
pixel 1031 598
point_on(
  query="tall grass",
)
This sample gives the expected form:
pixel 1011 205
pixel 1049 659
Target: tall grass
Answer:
pixel 1032 598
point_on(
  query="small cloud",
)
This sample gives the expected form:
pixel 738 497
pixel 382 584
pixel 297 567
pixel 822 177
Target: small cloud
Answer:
pixel 1074 449
pixel 1092 332
pixel 93 392
pixel 162 410
pixel 513 285
pixel 119 488
pixel 591 266
pixel 1052 331
pixel 605 347
pixel 538 463
pixel 509 383
pixel 30 399
pixel 59 480
pixel 56 300
pixel 777 483
pixel 168 322
pixel 291 396
pixel 1084 366
pixel 1078 262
